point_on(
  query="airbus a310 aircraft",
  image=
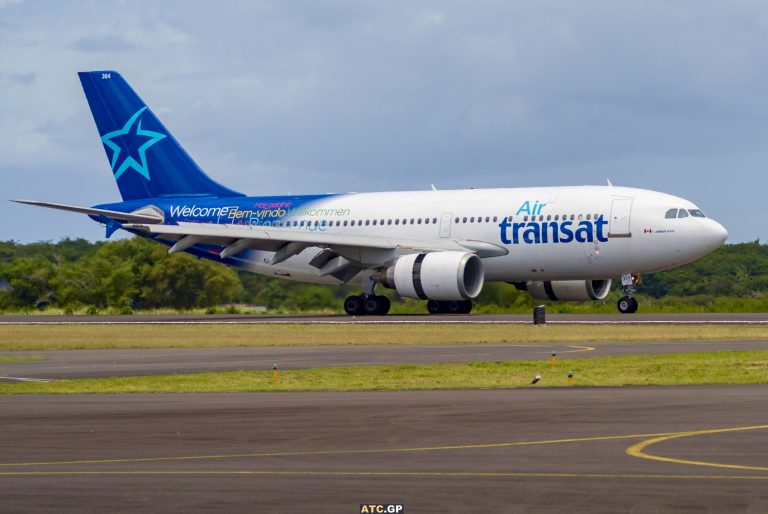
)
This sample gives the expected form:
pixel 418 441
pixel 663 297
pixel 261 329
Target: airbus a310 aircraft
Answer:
pixel 556 243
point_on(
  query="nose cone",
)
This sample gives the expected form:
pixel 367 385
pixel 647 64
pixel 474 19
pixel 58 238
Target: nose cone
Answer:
pixel 716 234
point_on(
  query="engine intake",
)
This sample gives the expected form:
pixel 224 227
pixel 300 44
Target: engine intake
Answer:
pixel 570 290
pixel 436 276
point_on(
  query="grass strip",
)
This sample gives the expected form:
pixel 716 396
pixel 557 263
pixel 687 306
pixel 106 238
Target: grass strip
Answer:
pixel 723 367
pixel 68 337
pixel 14 358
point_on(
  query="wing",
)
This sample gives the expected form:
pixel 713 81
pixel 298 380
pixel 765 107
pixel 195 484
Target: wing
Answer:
pixel 360 251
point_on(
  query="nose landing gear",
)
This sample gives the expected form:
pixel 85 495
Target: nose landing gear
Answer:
pixel 627 304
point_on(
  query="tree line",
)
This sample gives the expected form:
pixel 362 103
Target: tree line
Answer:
pixel 136 274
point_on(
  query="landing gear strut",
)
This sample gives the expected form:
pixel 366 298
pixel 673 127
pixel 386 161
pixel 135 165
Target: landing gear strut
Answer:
pixel 627 304
pixel 449 307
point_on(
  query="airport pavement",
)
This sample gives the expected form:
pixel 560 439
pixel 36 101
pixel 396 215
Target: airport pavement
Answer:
pixel 647 449
pixel 414 318
pixel 68 364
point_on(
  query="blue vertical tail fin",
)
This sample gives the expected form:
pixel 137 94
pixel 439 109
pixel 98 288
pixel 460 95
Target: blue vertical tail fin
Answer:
pixel 145 158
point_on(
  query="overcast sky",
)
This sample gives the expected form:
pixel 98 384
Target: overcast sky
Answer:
pixel 333 96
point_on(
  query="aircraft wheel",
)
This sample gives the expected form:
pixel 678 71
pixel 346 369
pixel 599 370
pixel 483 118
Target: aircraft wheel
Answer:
pixel 466 306
pixel 353 306
pixel 454 307
pixel 435 307
pixel 376 305
pixel 627 305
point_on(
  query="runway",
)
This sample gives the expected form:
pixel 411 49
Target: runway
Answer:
pixel 696 318
pixel 68 364
pixel 654 449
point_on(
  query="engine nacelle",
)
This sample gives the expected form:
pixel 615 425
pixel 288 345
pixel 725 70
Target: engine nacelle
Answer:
pixel 436 276
pixel 573 290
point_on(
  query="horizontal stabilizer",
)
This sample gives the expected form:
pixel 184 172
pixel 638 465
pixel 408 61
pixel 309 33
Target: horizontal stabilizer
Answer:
pixel 144 217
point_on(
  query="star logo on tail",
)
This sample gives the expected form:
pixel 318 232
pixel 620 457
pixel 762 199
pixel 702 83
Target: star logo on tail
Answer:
pixel 135 139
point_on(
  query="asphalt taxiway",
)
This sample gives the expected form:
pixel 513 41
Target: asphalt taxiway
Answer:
pixel 647 449
pixel 68 364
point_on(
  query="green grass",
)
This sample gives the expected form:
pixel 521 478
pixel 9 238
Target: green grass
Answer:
pixel 726 367
pixel 15 358
pixel 63 337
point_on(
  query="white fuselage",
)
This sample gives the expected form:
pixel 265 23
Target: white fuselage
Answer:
pixel 632 234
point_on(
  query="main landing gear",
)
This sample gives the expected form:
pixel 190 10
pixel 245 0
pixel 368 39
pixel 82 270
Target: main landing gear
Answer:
pixel 449 307
pixel 627 304
pixel 366 304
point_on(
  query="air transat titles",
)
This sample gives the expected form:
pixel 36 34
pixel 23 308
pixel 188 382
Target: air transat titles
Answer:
pixel 542 232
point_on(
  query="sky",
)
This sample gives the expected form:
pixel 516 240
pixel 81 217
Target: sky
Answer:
pixel 302 97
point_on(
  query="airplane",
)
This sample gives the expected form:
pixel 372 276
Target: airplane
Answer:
pixel 556 243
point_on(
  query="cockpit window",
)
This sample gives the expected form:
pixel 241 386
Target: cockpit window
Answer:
pixel 696 213
pixel 671 214
pixel 682 213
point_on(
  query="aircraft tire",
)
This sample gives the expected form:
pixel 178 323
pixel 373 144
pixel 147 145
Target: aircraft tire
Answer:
pixel 376 305
pixel 435 307
pixel 353 306
pixel 627 305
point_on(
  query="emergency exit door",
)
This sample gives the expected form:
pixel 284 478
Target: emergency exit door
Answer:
pixel 445 224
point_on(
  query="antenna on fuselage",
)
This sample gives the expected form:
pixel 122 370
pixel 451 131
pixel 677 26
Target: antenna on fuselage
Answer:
pixel 609 182
pixel 433 187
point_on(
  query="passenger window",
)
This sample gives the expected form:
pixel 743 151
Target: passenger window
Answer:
pixel 472 219
pixel 572 217
pixel 589 217
pixel 581 217
pixel 419 220
pixel 374 222
pixel 557 217
pixel 464 219
pixel 510 219
pixel 541 217
pixel 426 221
pixel 367 222
pixel 549 217
pixel 682 213
pixel 456 220
pixel 381 222
pixel 434 220
pixel 671 214
pixel 411 221
pixel 495 219
pixel 397 221
pixel 389 222
pixel 696 213
pixel 345 223
pixel 525 218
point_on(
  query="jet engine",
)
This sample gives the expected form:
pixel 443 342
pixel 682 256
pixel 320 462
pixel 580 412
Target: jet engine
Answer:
pixel 573 290
pixel 436 276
